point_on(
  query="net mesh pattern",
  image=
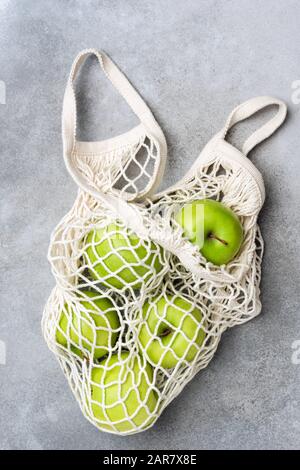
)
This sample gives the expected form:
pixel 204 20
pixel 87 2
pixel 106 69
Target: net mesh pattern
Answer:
pixel 125 171
pixel 128 320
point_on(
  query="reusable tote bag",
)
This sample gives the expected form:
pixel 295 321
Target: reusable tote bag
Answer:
pixel 137 310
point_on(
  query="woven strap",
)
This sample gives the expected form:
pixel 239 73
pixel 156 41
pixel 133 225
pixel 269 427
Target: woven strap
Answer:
pixel 122 85
pixel 139 107
pixel 247 109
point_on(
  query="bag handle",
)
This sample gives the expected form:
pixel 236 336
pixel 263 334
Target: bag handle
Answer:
pixel 123 86
pixel 246 110
pixel 69 117
pixel 134 100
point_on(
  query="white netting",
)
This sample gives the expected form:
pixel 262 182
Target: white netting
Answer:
pixel 125 171
pixel 129 323
pixel 136 314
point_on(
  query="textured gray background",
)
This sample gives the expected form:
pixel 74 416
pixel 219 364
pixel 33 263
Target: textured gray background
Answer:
pixel 193 61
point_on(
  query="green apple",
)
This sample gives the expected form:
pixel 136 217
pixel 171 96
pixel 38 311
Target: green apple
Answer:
pixel 122 394
pixel 120 259
pixel 213 227
pixel 171 331
pixel 94 329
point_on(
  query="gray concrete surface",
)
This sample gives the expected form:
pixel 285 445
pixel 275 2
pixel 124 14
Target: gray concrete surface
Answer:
pixel 193 61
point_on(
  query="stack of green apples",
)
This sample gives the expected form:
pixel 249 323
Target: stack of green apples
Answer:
pixel 172 331
pixel 122 393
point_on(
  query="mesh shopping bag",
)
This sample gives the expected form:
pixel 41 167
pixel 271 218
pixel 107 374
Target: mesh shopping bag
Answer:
pixel 224 173
pixel 137 310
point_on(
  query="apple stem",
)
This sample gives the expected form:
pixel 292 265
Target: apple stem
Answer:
pixel 165 333
pixel 214 237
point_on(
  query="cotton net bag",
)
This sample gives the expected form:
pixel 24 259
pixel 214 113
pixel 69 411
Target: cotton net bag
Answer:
pixel 137 311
